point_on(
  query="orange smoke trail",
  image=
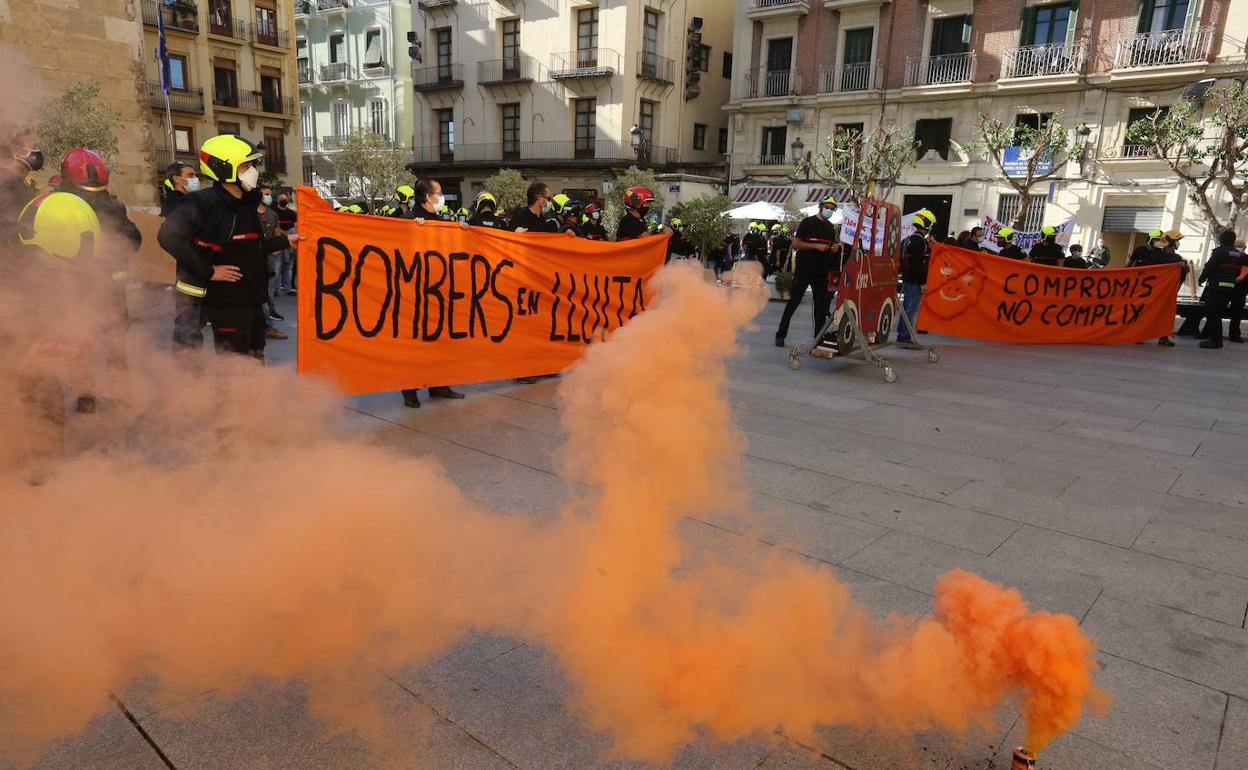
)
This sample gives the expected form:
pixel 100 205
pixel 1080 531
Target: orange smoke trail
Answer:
pixel 174 554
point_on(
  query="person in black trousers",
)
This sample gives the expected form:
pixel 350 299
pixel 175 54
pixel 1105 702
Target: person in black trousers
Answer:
pixel 817 249
pixel 1220 276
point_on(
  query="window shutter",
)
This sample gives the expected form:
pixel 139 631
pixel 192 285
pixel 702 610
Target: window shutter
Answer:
pixel 1027 34
pixel 1146 16
pixel 1190 21
pixel 1072 25
pixel 372 49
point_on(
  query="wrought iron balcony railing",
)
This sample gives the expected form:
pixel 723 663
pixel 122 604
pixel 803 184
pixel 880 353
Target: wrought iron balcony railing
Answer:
pixel 937 70
pixel 1039 60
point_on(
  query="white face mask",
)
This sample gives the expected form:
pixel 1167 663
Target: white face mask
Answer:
pixel 192 184
pixel 826 213
pixel 268 200
pixel 438 202
pixel 249 179
pixel 595 216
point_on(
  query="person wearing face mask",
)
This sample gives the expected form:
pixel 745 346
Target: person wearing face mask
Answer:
pixel 18 157
pixel 591 224
pixel 817 249
pixel 637 200
pixel 534 215
pixel 218 240
pixel 180 179
pixel 286 267
pixel 486 212
pixel 1075 259
pixel 270 227
pixel 568 214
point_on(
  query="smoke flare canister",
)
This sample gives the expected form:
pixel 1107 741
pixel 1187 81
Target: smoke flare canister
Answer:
pixel 1024 759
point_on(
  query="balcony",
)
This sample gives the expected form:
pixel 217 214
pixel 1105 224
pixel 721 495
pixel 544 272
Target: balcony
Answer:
pixel 270 35
pixel 182 16
pixel 430 5
pixel 515 69
pixel 255 101
pixel 304 72
pixel 375 69
pixel 765 83
pixel 774 160
pixel 1159 49
pixel 940 70
pixel 559 154
pixel 845 78
pixel 1035 61
pixel 180 100
pixel 226 27
pixel 331 5
pixel 333 142
pixel 304 7
pixel 309 143
pixel 772 9
pixel 438 78
pixel 334 73
pixel 655 68
pixel 586 63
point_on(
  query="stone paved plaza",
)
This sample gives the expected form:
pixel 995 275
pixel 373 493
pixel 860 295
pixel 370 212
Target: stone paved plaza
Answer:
pixel 1108 483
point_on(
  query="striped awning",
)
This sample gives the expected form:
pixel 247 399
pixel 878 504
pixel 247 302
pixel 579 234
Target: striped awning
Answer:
pixel 817 194
pixel 776 195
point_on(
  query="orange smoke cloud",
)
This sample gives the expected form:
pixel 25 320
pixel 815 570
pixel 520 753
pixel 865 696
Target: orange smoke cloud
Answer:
pixel 167 550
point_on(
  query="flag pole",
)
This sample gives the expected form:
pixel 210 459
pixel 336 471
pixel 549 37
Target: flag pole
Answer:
pixel 162 58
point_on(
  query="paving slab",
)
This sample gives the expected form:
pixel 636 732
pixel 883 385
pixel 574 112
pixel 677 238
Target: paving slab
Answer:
pixel 1234 744
pixel 1106 523
pixel 1220 553
pixel 109 742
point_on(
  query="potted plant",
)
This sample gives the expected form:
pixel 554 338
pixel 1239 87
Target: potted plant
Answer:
pixel 784 282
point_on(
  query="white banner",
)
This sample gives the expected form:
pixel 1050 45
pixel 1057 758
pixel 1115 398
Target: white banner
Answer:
pixel 852 230
pixel 1024 240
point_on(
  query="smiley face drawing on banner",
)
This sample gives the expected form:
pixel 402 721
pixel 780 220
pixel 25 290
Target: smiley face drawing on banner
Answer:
pixel 960 279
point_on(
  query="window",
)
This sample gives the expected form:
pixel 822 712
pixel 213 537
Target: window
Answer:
pixel 443 36
pixel 302 64
pixel 183 139
pixel 341 119
pixel 650 35
pixel 228 128
pixel 775 145
pixel 224 84
pixel 337 48
pixel 446 133
pixel 1008 206
pixel 308 173
pixel 933 135
pixel 723 141
pixel 1164 15
pixel 306 125
pixel 511 48
pixel 220 18
pixel 1047 24
pixel 1133 117
pixel 372 49
pixel 275 150
pixel 699 136
pixel 728 64
pixel 377 119
pixel 266 22
pixel 177 72
pixel 587 37
pixel 857 70
pixel 951 36
pixel 779 63
pixel 271 90
pixel 702 58
pixel 645 120
pixel 1033 120
pixel 511 130
pixel 586 127
pixel 849 128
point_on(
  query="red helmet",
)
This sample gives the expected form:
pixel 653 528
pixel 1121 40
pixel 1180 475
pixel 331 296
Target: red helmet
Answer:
pixel 84 168
pixel 591 208
pixel 638 197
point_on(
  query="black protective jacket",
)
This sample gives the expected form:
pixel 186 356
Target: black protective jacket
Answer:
pixel 593 231
pixel 212 227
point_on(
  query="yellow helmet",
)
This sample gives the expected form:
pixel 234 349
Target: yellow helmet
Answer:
pixel 1048 230
pixel 678 222
pixel 1174 236
pixel 485 197
pixel 404 193
pixel 927 215
pixel 220 156
pixel 1006 234
pixel 62 224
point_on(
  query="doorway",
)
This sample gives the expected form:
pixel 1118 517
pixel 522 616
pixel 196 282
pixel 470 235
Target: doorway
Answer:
pixel 940 205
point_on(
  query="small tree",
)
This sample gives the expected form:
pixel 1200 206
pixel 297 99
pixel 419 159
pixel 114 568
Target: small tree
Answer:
pixel 705 223
pixel 368 167
pixel 1047 148
pixel 865 165
pixel 77 118
pixel 509 187
pixel 1210 155
pixel 631 177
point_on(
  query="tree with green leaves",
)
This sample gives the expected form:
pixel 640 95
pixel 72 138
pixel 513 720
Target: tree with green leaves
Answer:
pixel 865 165
pixel 1204 143
pixel 77 117
pixel 1044 150
pixel 705 223
pixel 368 167
pixel 509 187
pixel 631 177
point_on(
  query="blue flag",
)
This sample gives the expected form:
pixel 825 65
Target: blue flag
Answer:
pixel 162 51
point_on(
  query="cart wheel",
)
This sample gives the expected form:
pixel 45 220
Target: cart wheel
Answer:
pixel 795 363
pixel 933 355
pixel 890 374
pixel 884 327
pixel 845 338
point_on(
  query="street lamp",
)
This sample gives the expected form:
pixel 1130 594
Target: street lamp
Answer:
pixel 637 139
pixel 799 156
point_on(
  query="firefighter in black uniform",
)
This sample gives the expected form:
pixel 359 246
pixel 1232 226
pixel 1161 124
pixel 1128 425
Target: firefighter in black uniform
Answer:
pixel 567 214
pixel 1009 250
pixel 1046 251
pixel 19 156
pixel 591 224
pixel 1154 253
pixel 485 212
pixel 678 246
pixel 1220 276
pixel 754 244
pixel 180 180
pixel 780 245
pixel 217 240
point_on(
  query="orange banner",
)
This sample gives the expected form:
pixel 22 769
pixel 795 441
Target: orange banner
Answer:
pixel 387 303
pixel 986 297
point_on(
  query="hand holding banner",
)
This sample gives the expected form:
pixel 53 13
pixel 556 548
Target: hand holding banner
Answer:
pixel 386 304
pixel 986 297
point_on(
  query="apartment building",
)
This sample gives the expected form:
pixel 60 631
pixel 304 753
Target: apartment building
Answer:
pixel 354 72
pixel 806 67
pixel 572 92
pixel 232 70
